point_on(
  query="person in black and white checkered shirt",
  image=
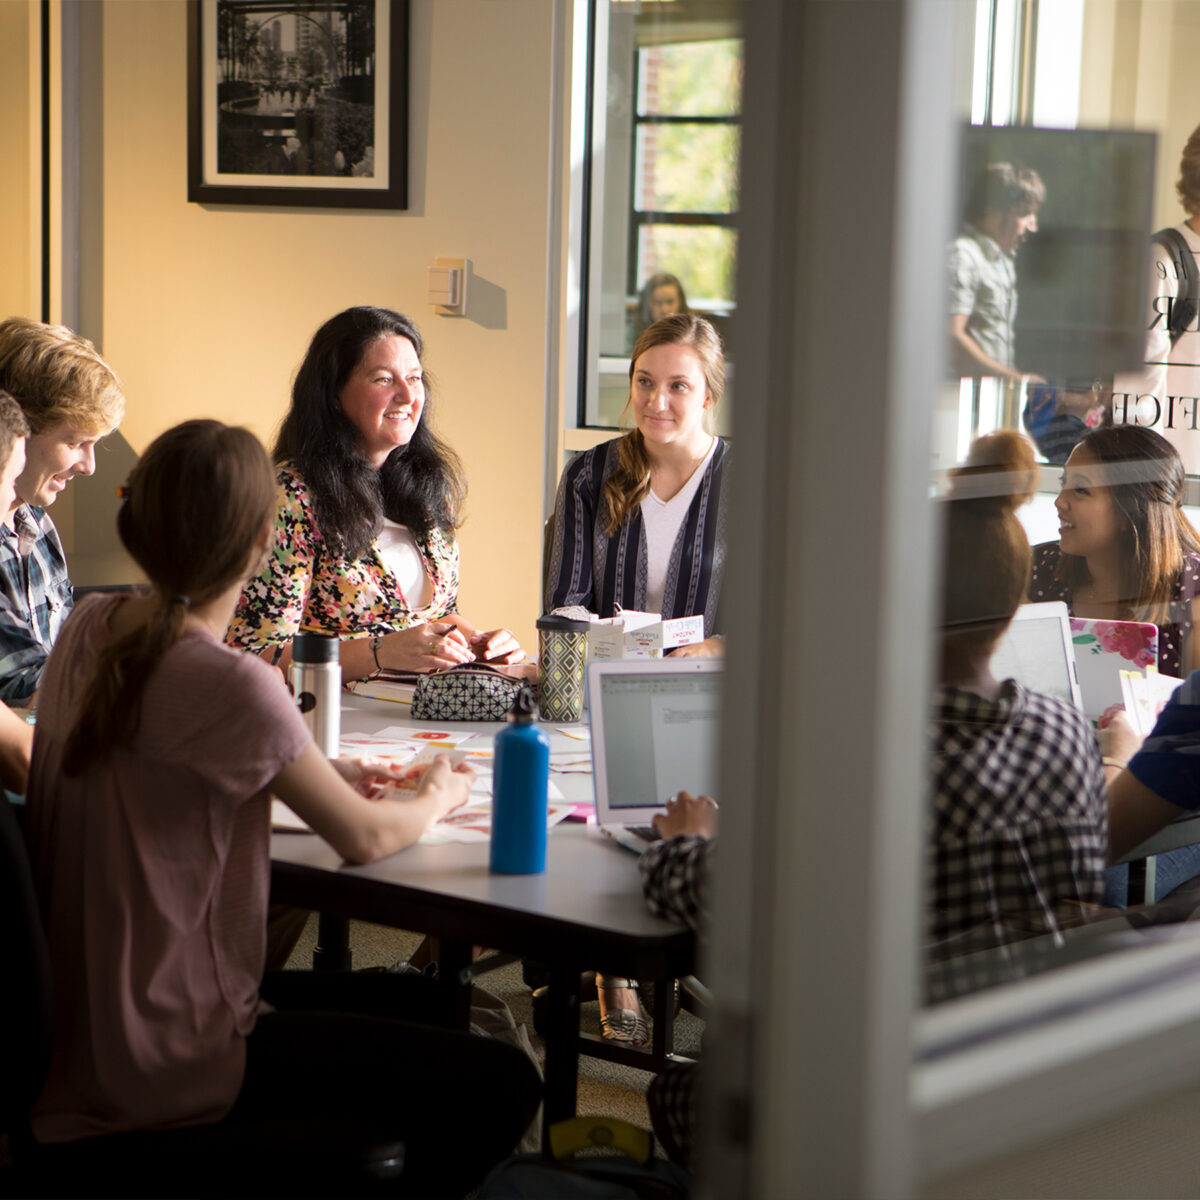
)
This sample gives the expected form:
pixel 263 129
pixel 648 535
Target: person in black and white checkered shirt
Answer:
pixel 1019 827
pixel 675 879
pixel 1019 819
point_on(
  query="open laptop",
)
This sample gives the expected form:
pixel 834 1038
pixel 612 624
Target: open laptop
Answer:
pixel 655 728
pixel 1037 652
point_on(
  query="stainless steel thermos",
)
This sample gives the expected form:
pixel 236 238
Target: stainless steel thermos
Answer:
pixel 317 686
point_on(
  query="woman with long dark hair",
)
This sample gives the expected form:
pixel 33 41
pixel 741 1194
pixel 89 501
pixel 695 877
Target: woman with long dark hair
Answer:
pixel 1126 549
pixel 158 750
pixel 1127 552
pixel 369 502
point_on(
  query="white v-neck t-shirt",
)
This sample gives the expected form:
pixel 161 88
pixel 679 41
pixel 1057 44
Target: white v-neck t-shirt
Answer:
pixel 398 549
pixel 662 521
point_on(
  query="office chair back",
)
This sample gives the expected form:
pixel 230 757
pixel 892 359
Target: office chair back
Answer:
pixel 25 999
pixel 288 1158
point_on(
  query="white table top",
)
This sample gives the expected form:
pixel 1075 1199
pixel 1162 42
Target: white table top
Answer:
pixel 361 714
pixel 590 883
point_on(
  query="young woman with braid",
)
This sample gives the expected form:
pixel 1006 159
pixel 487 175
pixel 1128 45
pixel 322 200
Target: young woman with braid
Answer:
pixel 640 524
pixel 158 750
pixel 639 521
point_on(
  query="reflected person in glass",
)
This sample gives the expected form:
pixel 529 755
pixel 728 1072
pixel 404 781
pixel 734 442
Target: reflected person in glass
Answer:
pixel 1163 394
pixel 1002 212
pixel 662 296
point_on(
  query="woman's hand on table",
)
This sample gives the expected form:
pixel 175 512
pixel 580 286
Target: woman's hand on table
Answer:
pixel 712 647
pixel 498 647
pixel 688 814
pixel 427 647
pixel 1118 739
pixel 368 776
pixel 446 786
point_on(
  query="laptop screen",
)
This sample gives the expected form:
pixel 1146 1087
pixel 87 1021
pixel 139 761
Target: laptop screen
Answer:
pixel 658 732
pixel 1036 651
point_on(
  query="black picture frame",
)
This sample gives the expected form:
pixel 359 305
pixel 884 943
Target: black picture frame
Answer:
pixel 285 123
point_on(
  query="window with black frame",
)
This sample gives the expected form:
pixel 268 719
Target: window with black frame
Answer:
pixel 666 136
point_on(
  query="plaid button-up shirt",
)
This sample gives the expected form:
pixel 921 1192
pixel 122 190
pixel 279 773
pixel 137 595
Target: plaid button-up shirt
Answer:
pixel 35 599
pixel 1020 824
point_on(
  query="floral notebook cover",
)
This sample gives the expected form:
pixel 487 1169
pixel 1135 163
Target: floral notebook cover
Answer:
pixel 1103 649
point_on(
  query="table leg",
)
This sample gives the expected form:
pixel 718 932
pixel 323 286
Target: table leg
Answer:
pixel 332 951
pixel 456 997
pixel 562 1046
pixel 663 1021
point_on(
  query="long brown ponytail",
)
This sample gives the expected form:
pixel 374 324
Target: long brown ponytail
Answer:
pixel 195 506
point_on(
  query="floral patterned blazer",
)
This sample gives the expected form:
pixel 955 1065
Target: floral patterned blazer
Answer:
pixel 308 587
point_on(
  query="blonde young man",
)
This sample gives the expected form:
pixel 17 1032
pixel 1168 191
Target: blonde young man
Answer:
pixel 71 398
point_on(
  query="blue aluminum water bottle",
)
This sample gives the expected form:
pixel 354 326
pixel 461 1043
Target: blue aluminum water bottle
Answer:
pixel 521 781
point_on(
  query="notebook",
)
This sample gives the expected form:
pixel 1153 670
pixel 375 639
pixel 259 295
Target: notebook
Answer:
pixel 655 726
pixel 1036 650
pixel 1103 649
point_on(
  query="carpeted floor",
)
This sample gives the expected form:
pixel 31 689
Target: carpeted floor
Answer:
pixel 605 1088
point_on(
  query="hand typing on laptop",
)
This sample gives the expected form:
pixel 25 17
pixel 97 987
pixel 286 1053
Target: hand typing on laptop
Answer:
pixel 688 814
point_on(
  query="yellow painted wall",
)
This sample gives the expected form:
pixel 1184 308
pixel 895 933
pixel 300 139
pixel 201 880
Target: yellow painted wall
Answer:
pixel 207 310
pixel 1139 72
pixel 18 151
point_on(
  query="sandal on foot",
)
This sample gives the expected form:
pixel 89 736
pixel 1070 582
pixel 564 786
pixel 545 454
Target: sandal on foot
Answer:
pixel 622 1024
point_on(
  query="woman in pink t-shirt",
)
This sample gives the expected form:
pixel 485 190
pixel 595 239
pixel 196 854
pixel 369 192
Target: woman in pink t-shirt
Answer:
pixel 158 749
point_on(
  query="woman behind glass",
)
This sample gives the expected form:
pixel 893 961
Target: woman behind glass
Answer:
pixel 369 499
pixel 1126 550
pixel 1018 825
pixel 662 296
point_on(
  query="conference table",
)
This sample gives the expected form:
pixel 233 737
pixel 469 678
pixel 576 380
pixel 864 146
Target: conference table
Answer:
pixel 585 911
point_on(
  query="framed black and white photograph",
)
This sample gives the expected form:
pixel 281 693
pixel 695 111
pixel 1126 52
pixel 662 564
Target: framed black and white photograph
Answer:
pixel 298 102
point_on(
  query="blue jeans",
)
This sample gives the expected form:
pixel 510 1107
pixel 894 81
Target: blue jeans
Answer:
pixel 1172 869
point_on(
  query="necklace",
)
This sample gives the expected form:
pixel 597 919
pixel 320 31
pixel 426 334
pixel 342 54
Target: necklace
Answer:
pixel 680 480
pixel 1088 596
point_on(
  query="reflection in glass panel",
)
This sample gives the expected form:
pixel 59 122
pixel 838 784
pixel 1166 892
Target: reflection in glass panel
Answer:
pixel 1063 359
pixel 662 235
pixel 686 168
pixel 691 79
pixel 702 257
